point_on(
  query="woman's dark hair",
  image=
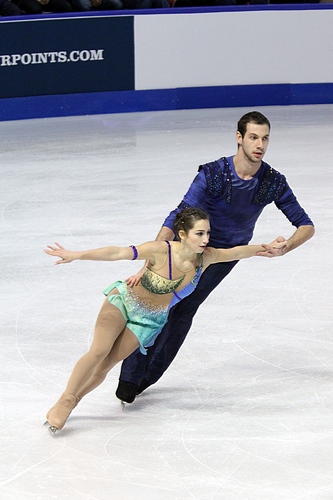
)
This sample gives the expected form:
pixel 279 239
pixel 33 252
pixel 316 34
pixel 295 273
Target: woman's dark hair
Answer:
pixel 252 117
pixel 186 219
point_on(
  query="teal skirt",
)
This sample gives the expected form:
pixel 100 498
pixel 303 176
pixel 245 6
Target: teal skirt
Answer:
pixel 144 320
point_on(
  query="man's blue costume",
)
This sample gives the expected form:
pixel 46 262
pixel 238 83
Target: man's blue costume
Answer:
pixel 234 206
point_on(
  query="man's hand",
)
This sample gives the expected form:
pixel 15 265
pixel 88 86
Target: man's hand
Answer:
pixel 136 278
pixel 165 234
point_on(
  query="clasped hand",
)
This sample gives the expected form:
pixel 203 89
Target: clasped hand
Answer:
pixel 275 249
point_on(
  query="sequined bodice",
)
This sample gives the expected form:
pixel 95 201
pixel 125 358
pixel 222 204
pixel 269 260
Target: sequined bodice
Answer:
pixel 155 283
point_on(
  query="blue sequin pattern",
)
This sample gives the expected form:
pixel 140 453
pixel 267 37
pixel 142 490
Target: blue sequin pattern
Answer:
pixel 270 188
pixel 217 177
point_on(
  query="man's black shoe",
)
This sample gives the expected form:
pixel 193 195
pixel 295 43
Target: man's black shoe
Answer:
pixel 143 386
pixel 126 391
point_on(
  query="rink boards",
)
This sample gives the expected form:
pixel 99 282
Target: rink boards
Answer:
pixel 57 65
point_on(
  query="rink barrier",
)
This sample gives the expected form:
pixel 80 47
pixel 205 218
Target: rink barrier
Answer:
pixel 64 65
pixel 161 100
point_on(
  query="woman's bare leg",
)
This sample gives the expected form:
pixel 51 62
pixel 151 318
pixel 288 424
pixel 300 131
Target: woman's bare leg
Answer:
pixel 125 344
pixel 110 324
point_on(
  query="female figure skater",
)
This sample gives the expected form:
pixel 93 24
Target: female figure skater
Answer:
pixel 133 317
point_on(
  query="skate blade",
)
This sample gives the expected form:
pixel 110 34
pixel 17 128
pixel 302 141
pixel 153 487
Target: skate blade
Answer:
pixel 52 430
pixel 123 404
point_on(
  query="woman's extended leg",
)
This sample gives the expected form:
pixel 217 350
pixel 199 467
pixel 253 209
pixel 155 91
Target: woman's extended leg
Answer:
pixel 125 344
pixel 110 324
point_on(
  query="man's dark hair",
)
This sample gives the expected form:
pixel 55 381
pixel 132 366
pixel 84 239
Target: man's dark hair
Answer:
pixel 251 117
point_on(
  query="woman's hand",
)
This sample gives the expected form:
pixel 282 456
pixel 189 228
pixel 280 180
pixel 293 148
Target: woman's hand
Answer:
pixel 66 256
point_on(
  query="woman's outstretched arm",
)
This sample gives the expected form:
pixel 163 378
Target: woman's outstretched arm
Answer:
pixel 111 253
pixel 214 255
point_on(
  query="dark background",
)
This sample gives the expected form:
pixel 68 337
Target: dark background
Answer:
pixel 115 72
